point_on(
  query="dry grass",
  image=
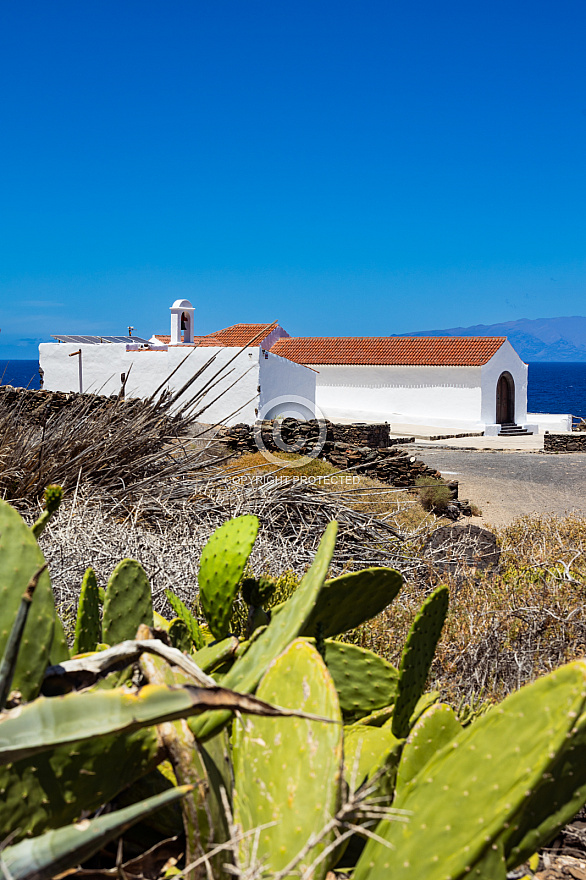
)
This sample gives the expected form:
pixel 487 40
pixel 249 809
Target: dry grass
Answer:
pixel 507 627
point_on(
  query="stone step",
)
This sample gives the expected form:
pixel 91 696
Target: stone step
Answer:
pixel 512 430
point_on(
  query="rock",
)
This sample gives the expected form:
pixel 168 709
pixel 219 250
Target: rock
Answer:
pixel 451 547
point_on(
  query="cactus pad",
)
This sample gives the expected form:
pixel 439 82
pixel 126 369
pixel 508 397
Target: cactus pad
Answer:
pixel 349 600
pixel 364 681
pixel 59 648
pixel 183 612
pixel 286 773
pixel 417 657
pixel 214 655
pixel 475 788
pixel 222 563
pixel 88 629
pixel 128 602
pixel 283 628
pixel 20 559
pixel 435 729
pixel 369 751
pixel 179 635
pixel 55 788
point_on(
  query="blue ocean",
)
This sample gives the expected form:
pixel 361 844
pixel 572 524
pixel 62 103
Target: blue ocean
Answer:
pixel 554 388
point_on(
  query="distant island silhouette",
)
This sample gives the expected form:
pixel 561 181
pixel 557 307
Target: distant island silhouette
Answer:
pixel 540 339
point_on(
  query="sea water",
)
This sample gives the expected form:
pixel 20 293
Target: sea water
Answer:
pixel 553 388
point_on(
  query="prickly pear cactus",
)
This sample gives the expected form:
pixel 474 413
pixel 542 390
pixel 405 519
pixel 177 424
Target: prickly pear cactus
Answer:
pixel 283 628
pixel 88 628
pixel 222 563
pixel 349 600
pixel 204 817
pixel 214 655
pixel 370 751
pixel 183 612
pixel 471 793
pixel 554 802
pixel 59 648
pixel 287 775
pixel 435 729
pixel 20 559
pixel 128 602
pixel 179 635
pixel 55 788
pixel 417 657
pixel 364 681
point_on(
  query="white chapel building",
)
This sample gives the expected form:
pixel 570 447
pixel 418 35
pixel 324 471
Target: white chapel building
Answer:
pixel 251 371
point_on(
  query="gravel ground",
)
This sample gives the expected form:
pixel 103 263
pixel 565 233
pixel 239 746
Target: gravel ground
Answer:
pixel 505 485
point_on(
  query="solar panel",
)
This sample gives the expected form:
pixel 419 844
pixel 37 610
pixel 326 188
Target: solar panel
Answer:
pixel 96 340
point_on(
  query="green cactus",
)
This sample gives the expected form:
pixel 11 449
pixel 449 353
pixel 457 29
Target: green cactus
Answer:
pixel 287 775
pixel 88 628
pixel 364 681
pixel 52 789
pixel 183 612
pixel 59 648
pixel 215 654
pixel 435 729
pixel 417 657
pixel 472 792
pixel 20 559
pixel 54 852
pixel 349 600
pixel 222 563
pixel 48 723
pixel 557 798
pixel 52 498
pixel 128 602
pixel 283 628
pixel 257 591
pixel 179 635
pixel 204 816
pixel 369 751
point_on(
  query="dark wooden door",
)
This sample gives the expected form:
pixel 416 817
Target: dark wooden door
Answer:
pixel 505 399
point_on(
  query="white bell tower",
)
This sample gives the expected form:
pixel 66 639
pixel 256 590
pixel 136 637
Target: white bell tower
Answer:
pixel 181 321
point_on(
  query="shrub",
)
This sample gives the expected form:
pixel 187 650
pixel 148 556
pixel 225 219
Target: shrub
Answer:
pixel 434 495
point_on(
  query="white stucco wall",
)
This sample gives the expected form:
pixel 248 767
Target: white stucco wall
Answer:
pixel 442 396
pixel 286 388
pixel 102 366
pixel 555 423
pixel 505 359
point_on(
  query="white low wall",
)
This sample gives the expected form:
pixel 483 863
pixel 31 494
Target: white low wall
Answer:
pixel 99 369
pixel 555 423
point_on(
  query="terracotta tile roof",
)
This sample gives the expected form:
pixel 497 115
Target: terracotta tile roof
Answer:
pixel 241 334
pixel 444 351
pixel 237 336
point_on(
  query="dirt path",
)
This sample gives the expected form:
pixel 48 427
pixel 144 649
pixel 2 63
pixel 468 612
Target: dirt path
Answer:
pixel 506 485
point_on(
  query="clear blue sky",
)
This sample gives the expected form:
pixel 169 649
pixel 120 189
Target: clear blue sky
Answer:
pixel 366 168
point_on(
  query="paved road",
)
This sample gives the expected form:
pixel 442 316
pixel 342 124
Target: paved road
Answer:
pixel 508 484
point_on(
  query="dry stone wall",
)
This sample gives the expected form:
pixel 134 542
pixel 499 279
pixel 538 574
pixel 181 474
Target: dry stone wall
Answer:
pixel 365 449
pixel 564 442
pixel 36 407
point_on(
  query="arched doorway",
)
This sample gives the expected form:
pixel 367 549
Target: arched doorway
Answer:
pixel 505 399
